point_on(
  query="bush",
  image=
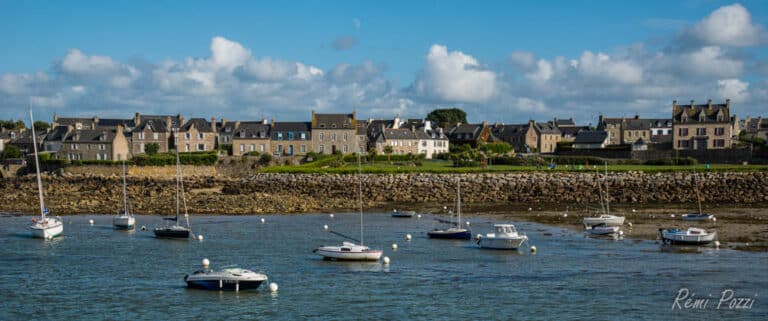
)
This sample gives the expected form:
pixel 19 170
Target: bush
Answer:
pixel 465 163
pixel 11 151
pixel 265 159
pixel 196 158
pixel 673 161
pixel 152 148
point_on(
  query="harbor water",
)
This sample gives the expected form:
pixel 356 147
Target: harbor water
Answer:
pixel 94 272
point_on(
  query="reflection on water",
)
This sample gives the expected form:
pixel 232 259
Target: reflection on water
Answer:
pixel 95 272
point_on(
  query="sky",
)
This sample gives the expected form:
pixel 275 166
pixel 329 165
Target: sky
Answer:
pixel 500 61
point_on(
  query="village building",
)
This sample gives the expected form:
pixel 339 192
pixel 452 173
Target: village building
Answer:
pixel 293 138
pixel 530 137
pixel 592 140
pixel 197 135
pixel 402 141
pixel 470 134
pixel 332 133
pixel 701 127
pixel 93 144
pixel 251 137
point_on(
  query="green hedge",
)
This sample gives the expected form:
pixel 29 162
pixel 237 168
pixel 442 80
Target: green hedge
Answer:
pixel 673 161
pixel 97 162
pixel 196 158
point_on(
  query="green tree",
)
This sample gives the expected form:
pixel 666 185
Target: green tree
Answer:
pixel 372 154
pixel 493 149
pixel 265 159
pixel 151 148
pixel 447 117
pixel 388 150
pixel 10 124
pixel 41 126
pixel 10 151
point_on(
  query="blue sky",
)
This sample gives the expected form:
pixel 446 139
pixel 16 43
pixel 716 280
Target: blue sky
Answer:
pixel 501 61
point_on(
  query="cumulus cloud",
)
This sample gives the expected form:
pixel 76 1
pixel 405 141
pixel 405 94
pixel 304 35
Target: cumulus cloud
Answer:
pixel 454 77
pixel 728 26
pixel 78 63
pixel 734 89
pixel 600 66
pixel 344 42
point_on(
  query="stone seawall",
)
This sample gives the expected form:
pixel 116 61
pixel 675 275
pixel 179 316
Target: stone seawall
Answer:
pixel 295 193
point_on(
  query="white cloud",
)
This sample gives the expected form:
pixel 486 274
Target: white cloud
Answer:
pixel 454 77
pixel 728 26
pixel 734 89
pixel 600 66
pixel 228 54
pixel 711 61
pixel 542 73
pixel 523 59
pixel 78 63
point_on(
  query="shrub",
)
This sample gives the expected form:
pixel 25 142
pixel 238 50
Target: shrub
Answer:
pixel 265 158
pixel 673 161
pixel 196 158
pixel 152 148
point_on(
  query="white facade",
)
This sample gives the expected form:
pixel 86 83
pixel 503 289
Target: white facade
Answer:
pixel 432 147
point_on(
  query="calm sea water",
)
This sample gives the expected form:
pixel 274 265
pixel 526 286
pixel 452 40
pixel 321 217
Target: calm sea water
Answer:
pixel 95 272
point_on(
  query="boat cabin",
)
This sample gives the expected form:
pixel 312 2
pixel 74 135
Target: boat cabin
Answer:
pixel 504 229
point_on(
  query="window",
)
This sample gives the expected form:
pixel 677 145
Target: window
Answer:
pixel 322 148
pixel 188 135
pixel 322 136
pixel 701 131
pixel 424 143
pixel 261 148
pixel 303 148
pixel 186 148
pixel 141 148
pixel 201 136
pixel 682 131
pixel 74 146
pixel 290 135
pixel 333 137
pixel 102 147
pixel 280 149
pixel 345 137
pixel 659 132
pixel 719 143
pixel 155 136
pixel 346 149
pixel 200 146
pixel 253 148
pixel 88 146
pixel 629 134
pixel 279 136
pixel 333 126
pixel 303 136
pixel 683 143
pixel 141 135
pixel 719 131
pixel 242 148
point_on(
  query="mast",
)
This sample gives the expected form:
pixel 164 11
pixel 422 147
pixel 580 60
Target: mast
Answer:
pixel 125 191
pixel 607 202
pixel 600 190
pixel 37 166
pixel 696 185
pixel 360 195
pixel 458 200
pixel 178 171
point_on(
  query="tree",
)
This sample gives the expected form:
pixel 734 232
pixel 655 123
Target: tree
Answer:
pixel 151 148
pixel 265 159
pixel 388 150
pixel 494 149
pixel 10 151
pixel 372 154
pixel 41 126
pixel 447 117
pixel 10 124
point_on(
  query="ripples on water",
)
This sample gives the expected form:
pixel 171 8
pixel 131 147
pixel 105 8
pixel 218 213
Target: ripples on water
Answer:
pixel 95 272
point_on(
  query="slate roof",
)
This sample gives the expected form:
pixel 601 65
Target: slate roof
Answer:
pixel 547 128
pixel 333 121
pixel 705 113
pixel 155 125
pixel 200 124
pixel 73 120
pixel 564 122
pixel 113 122
pixel 573 131
pixel 399 134
pixel 57 133
pixel 175 120
pixel 594 137
pixel 506 132
pixel 251 130
pixel 295 127
pixel 90 136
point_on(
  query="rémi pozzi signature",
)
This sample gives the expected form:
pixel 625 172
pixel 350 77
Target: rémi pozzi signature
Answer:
pixel 687 300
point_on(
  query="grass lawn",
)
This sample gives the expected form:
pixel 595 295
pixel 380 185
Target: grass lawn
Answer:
pixel 441 166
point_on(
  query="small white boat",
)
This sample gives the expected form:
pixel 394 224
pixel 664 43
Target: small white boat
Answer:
pixel 348 251
pixel 124 220
pixel 698 217
pixel 505 237
pixel 605 219
pixel 45 227
pixel 603 230
pixel 403 214
pixel 691 236
pixel 235 279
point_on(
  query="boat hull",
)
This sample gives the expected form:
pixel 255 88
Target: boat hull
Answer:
pixel 696 217
pixel 371 255
pixel 603 230
pixel 52 228
pixel 610 221
pixel 453 235
pixel 686 239
pixel 501 243
pixel 175 233
pixel 223 285
pixel 124 222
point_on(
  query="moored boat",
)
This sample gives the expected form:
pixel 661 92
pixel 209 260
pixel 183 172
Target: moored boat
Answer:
pixel 348 251
pixel 234 279
pixel 505 237
pixel 698 217
pixel 45 227
pixel 602 229
pixel 457 231
pixel 403 214
pixel 604 219
pixel 691 236
pixel 124 220
pixel 176 230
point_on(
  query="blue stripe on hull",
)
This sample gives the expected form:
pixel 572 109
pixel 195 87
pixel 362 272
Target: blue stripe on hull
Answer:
pixel 214 285
pixel 125 227
pixel 172 234
pixel 454 236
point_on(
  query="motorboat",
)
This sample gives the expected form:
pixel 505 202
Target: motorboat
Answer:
pixel 602 229
pixel 691 236
pixel 124 220
pixel 456 232
pixel 45 227
pixel 233 279
pixel 403 214
pixel 505 237
pixel 698 217
pixel 348 251
pixel 603 219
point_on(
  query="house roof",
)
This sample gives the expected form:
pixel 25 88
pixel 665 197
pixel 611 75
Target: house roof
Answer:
pixel 591 137
pixel 175 120
pixel 706 113
pixel 113 122
pixel 333 121
pixel 292 126
pixel 564 122
pixel 154 124
pixel 506 132
pixel 90 136
pixel 573 131
pixel 57 133
pixel 547 128
pixel 398 133
pixel 200 124
pixel 473 129
pixel 249 130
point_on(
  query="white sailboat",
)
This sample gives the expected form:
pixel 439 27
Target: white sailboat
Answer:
pixel 125 220
pixel 176 230
pixel 46 227
pixel 700 216
pixel 349 251
pixel 693 235
pixel 604 223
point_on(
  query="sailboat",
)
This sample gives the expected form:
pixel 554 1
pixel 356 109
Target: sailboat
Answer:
pixel 349 251
pixel 176 230
pixel 605 223
pixel 125 220
pixel 700 216
pixel 693 235
pixel 46 227
pixel 454 232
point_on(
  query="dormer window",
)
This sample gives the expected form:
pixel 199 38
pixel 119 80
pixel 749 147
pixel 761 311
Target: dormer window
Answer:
pixel 227 129
pixel 702 117
pixel 333 125
pixel 242 133
pixel 13 135
pixel 78 126
pixel 322 125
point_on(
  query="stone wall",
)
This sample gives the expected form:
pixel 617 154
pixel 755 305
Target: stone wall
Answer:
pixel 293 193
pixel 160 172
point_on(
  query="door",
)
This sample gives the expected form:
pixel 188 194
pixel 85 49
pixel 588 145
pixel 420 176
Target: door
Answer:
pixel 290 149
pixel 333 149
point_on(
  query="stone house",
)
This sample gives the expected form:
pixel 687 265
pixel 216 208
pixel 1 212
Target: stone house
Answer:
pixel 295 138
pixel 197 135
pixel 592 140
pixel 402 140
pixel 530 137
pixel 756 127
pixel 8 135
pixel 471 134
pixel 334 133
pixel 547 136
pixel 432 142
pixel 251 136
pixel 94 144
pixel 151 131
pixel 629 130
pixel 701 127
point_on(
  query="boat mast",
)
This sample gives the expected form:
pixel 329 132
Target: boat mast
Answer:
pixel 607 201
pixel 360 196
pixel 696 185
pixel 125 191
pixel 458 201
pixel 600 191
pixel 178 171
pixel 37 166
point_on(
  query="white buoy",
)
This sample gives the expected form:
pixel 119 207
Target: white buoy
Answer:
pixel 467 223
pixel 273 287
pixel 325 227
pixel 143 228
pixel 330 215
pixel 386 260
pixel 394 246
pixel 565 214
pixel 634 211
pixel 263 220
pixel 200 237
pixel 90 222
pixel 629 224
pixel 672 215
pixel 530 209
pixel 407 237
pixel 533 248
pixel 418 215
pixel 714 219
pixel 621 233
pixel 717 243
pixel 206 263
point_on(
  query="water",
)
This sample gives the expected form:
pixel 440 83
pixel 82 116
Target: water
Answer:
pixel 94 272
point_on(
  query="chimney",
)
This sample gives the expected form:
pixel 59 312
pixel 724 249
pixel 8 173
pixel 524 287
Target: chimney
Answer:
pixel 485 124
pixel 223 122
pixel 169 123
pixel 396 125
pixel 728 103
pixel 692 104
pixel 237 125
pixel 637 116
pixel 213 124
pixel 265 122
pixel 137 119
